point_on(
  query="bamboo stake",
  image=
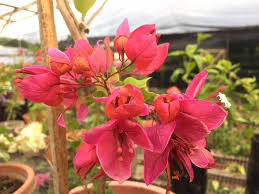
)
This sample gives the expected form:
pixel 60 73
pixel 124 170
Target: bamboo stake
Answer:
pixel 57 133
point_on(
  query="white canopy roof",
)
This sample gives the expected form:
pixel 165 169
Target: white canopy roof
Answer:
pixel 171 16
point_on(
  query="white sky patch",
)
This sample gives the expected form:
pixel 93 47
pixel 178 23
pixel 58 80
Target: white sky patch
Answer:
pixel 223 99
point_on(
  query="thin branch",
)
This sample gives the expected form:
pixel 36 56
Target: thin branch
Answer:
pixel 96 13
pixel 25 7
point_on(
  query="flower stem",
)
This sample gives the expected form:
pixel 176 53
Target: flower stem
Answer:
pixel 101 185
pixel 120 70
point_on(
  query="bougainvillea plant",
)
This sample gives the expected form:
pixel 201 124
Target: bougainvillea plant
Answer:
pixel 180 123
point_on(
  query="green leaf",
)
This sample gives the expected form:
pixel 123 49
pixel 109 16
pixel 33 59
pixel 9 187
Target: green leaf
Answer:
pixel 148 96
pixel 190 49
pixel 74 144
pixel 4 155
pixel 73 124
pixel 116 77
pixel 176 53
pixel 3 130
pixel 9 138
pixel 176 73
pixel 198 59
pixel 203 36
pixel 138 83
pixel 212 71
pixel 83 5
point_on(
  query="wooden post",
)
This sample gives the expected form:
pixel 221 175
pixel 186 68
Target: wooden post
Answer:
pixel 252 180
pixel 70 19
pixel 57 134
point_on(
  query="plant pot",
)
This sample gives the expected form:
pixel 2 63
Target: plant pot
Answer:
pixel 20 172
pixel 128 187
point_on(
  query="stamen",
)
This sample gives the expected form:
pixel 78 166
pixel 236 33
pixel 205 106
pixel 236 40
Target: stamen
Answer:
pixel 223 99
pixel 213 94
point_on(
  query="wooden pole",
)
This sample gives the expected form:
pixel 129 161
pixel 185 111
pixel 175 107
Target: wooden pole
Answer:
pixel 57 134
pixel 71 21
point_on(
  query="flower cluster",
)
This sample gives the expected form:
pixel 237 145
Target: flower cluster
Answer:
pixel 180 122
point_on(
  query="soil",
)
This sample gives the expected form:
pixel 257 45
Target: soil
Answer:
pixel 9 185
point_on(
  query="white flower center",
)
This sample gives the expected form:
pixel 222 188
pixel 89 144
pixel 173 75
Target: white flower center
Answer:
pixel 223 99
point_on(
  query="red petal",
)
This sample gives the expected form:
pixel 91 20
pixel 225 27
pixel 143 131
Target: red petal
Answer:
pixel 145 69
pixel 123 28
pixel 208 112
pixel 93 135
pixel 160 135
pixel 135 132
pixel 190 128
pixel 196 84
pixel 116 166
pixel 155 164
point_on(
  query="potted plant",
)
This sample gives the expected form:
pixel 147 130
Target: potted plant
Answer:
pixel 16 178
pixel 84 76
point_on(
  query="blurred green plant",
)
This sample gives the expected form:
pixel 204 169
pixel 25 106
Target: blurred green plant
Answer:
pixel 233 137
pixel 219 188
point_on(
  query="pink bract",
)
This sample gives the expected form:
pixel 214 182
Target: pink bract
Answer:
pixel 59 61
pixel 114 142
pixel 186 140
pixel 85 159
pixel 143 51
pixel 126 102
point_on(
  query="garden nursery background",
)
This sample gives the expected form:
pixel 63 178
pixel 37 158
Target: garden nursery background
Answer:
pixel 219 36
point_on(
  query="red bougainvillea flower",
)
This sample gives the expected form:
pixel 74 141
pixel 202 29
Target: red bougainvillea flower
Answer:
pixel 115 149
pixel 125 102
pixel 38 52
pixel 167 107
pixel 78 56
pixel 182 130
pixel 122 36
pixel 44 85
pixel 85 159
pixel 101 59
pixel 141 47
pixel 59 61
pixel 41 178
pixel 180 140
pixel 143 51
pixel 36 88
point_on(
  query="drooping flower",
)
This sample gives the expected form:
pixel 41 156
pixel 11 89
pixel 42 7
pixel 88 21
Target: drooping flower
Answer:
pixel 122 36
pixel 115 149
pixel 44 85
pixel 85 159
pixel 41 86
pixel 184 140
